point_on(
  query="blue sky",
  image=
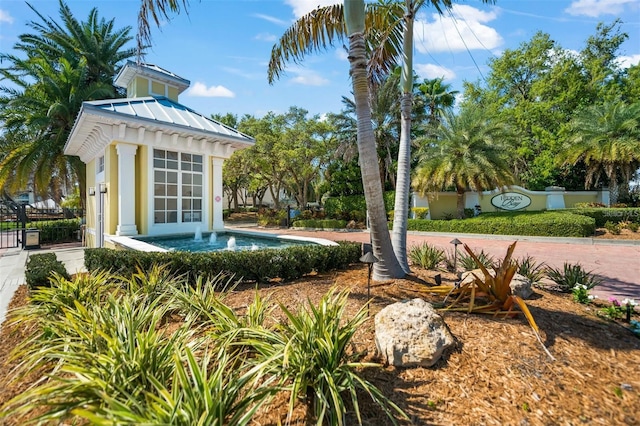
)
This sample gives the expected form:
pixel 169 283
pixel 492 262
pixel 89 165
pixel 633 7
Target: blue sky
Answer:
pixel 223 46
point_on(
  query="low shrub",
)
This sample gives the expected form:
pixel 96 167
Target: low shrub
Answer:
pixel 345 206
pixel 52 231
pixel 580 294
pixel 571 275
pixel 259 265
pixel 589 205
pixel 551 224
pixel 320 223
pixel 426 256
pixel 420 212
pixel 41 267
pixel 271 217
pixel 613 228
pixel 603 215
pixel 633 226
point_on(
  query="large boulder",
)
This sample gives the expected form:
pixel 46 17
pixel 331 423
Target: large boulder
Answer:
pixel 411 333
pixel 520 285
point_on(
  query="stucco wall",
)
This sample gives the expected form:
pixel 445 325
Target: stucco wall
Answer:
pixel 570 200
pixel 443 204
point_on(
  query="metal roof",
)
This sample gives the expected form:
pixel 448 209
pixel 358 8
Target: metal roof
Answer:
pixel 131 69
pixel 162 110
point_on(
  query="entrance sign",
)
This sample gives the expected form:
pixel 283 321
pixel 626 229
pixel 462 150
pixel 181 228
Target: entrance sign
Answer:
pixel 510 201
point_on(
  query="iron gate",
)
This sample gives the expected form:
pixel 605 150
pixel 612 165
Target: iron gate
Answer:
pixel 13 220
pixel 58 225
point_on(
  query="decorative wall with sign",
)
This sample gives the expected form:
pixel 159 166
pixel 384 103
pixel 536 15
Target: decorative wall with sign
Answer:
pixel 510 201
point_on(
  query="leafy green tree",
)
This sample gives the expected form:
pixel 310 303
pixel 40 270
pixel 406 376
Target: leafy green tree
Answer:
pixel 467 153
pixel 59 67
pixel 235 177
pixel 607 139
pixel 538 87
pixel 290 153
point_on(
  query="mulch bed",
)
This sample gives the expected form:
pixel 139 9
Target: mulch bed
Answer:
pixel 497 373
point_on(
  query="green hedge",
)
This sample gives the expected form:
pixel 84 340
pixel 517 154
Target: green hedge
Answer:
pixel 614 215
pixel 40 267
pixel 320 223
pixel 259 265
pixel 344 207
pixel 550 224
pixel 52 231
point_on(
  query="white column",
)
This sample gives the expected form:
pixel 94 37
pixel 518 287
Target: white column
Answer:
pixel 126 189
pixel 217 193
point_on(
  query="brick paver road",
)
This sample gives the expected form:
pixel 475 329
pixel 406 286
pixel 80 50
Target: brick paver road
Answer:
pixel 618 264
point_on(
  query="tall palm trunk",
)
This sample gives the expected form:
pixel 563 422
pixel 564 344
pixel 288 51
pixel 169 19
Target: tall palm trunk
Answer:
pixel 401 206
pixel 388 266
pixel 460 190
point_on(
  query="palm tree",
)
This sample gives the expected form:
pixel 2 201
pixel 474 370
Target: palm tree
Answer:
pixel 438 98
pixel 385 113
pixel 389 36
pixel 607 139
pixel 95 41
pixel 467 152
pixel 388 265
pixel 63 66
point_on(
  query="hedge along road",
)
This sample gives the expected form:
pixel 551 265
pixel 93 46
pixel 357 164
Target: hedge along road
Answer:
pixel 616 261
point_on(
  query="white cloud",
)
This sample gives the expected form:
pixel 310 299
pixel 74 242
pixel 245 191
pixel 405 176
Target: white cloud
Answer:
pixel 464 28
pixel 201 90
pixel 596 8
pixel 434 71
pixel 266 37
pixel 627 61
pixel 5 17
pixel 307 77
pixel 342 54
pixel 272 19
pixel 302 7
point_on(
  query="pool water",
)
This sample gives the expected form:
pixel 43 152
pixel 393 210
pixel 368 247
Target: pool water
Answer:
pixel 219 242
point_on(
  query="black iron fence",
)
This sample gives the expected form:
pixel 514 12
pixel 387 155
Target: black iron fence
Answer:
pixel 49 226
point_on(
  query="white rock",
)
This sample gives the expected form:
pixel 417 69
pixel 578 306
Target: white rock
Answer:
pixel 411 333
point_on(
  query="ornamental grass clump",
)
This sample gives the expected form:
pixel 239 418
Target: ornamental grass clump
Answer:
pixel 570 275
pixel 470 263
pixel 152 349
pixel 317 364
pixel 426 256
pixel 530 269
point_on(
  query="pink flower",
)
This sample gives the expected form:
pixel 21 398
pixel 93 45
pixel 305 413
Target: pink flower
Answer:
pixel 614 301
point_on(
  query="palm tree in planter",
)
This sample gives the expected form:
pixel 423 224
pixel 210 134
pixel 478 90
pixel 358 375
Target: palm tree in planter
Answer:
pixel 607 138
pixel 467 152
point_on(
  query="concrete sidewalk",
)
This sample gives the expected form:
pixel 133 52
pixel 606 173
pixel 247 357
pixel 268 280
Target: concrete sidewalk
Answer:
pixel 12 266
